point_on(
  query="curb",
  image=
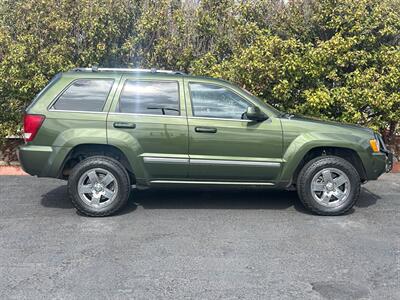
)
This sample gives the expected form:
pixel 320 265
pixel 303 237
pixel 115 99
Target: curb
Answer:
pixel 396 167
pixel 12 170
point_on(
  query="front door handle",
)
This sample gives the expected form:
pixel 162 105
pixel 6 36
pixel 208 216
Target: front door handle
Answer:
pixel 206 129
pixel 124 125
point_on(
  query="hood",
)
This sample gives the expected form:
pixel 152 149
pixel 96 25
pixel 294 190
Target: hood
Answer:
pixel 313 121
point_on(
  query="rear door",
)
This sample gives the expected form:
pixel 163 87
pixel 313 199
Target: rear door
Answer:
pixel 225 146
pixel 149 115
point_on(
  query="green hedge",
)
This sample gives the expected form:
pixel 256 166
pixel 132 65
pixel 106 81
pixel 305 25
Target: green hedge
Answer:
pixel 333 59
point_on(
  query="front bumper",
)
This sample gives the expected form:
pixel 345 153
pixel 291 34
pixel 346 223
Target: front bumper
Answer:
pixel 389 161
pixel 388 155
pixel 378 164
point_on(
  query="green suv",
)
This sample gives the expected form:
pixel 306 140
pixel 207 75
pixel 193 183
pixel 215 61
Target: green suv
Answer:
pixel 106 130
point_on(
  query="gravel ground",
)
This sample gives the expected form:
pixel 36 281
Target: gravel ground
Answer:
pixel 198 244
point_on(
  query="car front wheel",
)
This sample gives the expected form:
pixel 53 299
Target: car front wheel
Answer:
pixel 328 185
pixel 99 186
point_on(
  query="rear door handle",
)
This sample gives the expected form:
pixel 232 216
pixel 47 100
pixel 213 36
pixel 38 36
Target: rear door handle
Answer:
pixel 206 129
pixel 124 125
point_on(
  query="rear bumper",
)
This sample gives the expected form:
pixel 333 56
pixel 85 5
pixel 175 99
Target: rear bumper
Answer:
pixel 42 161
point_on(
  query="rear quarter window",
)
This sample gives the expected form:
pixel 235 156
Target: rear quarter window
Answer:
pixel 84 95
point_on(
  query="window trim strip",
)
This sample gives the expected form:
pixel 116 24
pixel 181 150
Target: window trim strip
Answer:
pixel 223 119
pixel 146 115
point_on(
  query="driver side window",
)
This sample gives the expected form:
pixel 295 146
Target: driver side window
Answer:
pixel 214 101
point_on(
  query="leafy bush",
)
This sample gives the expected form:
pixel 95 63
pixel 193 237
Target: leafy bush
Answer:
pixel 332 59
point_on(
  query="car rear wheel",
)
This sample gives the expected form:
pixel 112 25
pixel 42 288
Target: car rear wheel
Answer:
pixel 328 185
pixel 99 186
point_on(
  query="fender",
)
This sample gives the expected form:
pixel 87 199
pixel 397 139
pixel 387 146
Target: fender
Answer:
pixel 64 135
pixel 76 136
pixel 88 134
pixel 305 142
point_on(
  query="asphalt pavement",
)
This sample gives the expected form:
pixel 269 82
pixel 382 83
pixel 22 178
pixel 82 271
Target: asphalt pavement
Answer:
pixel 197 244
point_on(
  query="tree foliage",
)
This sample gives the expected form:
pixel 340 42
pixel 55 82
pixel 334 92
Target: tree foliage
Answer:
pixel 328 58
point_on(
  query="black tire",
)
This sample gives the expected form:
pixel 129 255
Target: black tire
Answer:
pixel 312 168
pixel 122 181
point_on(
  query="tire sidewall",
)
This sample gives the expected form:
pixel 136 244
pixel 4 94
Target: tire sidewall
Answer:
pixel 318 164
pixel 105 163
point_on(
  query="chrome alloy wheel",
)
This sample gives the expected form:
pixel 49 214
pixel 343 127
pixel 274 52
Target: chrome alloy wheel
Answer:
pixel 97 187
pixel 330 187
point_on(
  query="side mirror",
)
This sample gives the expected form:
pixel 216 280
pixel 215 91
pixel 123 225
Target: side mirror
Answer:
pixel 255 114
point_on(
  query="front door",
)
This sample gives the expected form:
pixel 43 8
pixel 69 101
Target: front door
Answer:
pixel 149 115
pixel 223 144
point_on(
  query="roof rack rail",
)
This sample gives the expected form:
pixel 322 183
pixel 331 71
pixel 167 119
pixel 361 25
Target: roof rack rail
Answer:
pixel 152 70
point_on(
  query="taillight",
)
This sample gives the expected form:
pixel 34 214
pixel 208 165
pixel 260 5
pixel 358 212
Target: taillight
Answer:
pixel 32 124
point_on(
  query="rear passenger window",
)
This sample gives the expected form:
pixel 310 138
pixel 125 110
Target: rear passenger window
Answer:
pixel 150 97
pixel 85 95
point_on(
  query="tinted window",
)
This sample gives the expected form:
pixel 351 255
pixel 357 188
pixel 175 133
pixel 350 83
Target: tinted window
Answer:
pixel 85 95
pixel 209 100
pixel 149 97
